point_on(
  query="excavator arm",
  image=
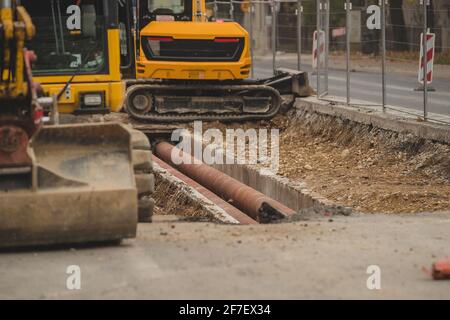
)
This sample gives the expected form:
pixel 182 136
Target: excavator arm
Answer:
pixel 20 114
pixel 16 27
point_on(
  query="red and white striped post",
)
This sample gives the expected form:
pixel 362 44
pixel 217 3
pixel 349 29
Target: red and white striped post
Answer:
pixel 318 49
pixel 424 53
pixel 430 44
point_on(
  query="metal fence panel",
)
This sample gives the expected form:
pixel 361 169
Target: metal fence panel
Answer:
pixel 438 22
pixel 371 49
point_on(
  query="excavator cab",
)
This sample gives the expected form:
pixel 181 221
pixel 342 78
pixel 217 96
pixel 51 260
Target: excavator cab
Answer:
pixel 82 50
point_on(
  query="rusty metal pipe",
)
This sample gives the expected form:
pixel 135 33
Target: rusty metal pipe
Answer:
pixel 255 204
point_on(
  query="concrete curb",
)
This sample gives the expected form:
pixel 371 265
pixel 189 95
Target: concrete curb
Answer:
pixel 294 195
pixel 399 123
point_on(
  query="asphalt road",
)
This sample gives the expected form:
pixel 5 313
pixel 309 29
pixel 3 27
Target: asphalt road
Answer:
pixel 366 86
pixel 316 258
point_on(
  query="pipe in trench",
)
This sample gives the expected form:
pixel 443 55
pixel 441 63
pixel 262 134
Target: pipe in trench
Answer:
pixel 258 206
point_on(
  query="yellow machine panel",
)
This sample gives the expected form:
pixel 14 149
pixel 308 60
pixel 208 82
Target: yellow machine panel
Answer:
pixel 108 86
pixel 78 45
pixel 205 34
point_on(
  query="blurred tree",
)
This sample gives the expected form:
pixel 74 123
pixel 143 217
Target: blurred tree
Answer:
pixel 398 26
pixel 337 16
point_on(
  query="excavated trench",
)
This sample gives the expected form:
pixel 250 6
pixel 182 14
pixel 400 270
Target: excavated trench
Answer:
pixel 334 166
pixel 328 161
pixel 185 203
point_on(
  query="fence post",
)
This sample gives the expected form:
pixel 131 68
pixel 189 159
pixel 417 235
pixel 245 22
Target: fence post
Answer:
pixel 252 42
pixel 274 35
pixel 327 42
pixel 348 27
pixel 231 10
pixel 425 3
pixel 299 35
pixel 216 8
pixel 319 24
pixel 383 52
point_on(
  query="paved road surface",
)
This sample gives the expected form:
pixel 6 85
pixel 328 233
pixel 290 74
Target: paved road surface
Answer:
pixel 308 259
pixel 367 86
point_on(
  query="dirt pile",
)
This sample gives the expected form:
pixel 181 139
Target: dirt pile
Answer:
pixel 369 169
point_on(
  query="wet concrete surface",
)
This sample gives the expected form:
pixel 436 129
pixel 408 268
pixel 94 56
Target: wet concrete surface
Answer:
pixel 314 257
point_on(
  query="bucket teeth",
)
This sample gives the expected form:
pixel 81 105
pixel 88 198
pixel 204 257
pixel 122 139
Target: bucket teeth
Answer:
pixel 146 208
pixel 145 184
pixel 145 179
pixel 139 141
pixel 142 160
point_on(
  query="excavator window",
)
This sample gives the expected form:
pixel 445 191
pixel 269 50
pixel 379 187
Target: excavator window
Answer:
pixel 170 7
pixel 127 25
pixel 165 10
pixel 71 36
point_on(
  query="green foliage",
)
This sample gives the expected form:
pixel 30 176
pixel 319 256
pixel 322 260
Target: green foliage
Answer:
pixel 337 16
pixel 443 58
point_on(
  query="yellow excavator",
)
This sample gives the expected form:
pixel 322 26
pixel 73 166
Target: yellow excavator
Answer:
pixel 193 67
pixel 167 61
pixel 61 184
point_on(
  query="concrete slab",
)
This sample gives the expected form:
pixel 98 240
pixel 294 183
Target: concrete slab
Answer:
pixel 398 119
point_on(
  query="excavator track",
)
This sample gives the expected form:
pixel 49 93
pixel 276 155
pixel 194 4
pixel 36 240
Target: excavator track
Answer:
pixel 168 103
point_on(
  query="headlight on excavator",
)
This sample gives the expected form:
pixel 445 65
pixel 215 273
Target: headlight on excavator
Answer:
pixel 93 100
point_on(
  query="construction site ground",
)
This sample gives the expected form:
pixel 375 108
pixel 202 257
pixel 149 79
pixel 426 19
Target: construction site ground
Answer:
pixel 359 169
pixel 318 257
pixel 396 185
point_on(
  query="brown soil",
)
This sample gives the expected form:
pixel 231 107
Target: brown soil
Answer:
pixel 178 203
pixel 361 170
pixel 363 167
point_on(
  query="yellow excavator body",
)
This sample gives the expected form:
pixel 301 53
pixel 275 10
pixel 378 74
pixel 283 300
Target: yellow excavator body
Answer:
pixel 206 34
pixel 109 85
pixel 80 54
